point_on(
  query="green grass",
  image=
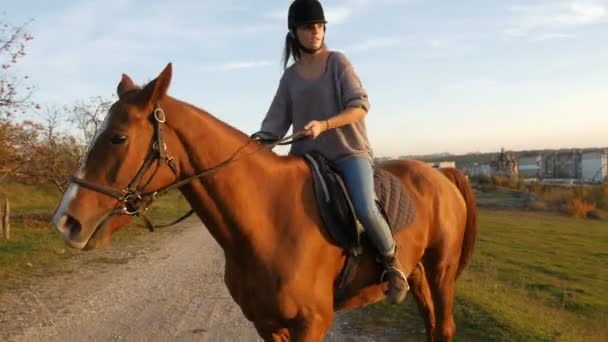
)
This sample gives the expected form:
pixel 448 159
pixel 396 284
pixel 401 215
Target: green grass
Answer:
pixel 533 277
pixel 35 250
pixel 556 259
pixel 26 199
pixel 501 198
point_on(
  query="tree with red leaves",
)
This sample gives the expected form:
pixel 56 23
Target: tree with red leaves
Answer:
pixel 15 92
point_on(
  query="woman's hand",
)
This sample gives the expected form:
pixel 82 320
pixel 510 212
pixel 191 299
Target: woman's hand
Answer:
pixel 314 128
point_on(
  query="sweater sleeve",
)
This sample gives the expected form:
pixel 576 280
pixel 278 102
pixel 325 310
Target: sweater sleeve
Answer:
pixel 278 119
pixel 353 93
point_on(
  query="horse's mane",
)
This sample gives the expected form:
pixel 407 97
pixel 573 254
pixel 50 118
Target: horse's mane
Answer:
pixel 207 115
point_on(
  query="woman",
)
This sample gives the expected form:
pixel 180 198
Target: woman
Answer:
pixel 321 94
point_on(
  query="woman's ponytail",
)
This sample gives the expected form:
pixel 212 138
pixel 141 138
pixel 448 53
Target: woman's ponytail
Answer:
pixel 291 49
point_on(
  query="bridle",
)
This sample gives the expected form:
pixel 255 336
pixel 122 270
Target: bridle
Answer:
pixel 135 201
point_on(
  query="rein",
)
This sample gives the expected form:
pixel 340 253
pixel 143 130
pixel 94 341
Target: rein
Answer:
pixel 135 202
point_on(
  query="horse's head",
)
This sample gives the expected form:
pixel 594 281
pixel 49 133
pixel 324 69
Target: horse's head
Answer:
pixel 127 161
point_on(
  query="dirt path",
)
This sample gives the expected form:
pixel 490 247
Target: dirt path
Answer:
pixel 165 286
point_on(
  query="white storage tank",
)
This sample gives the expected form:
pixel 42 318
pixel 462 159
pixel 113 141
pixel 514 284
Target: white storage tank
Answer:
pixel 530 165
pixel 595 167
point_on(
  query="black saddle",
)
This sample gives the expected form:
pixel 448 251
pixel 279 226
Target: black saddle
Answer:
pixel 337 212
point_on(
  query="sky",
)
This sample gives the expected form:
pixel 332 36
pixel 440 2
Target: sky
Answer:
pixel 442 76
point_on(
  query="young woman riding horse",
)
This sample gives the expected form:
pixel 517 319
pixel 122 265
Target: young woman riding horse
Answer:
pixel 322 94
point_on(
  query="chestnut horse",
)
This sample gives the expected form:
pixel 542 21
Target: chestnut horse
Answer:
pixel 281 268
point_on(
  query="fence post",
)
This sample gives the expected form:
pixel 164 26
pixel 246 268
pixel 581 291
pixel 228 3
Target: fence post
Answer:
pixel 6 221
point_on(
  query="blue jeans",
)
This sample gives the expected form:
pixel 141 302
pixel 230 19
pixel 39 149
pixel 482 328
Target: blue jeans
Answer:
pixel 358 176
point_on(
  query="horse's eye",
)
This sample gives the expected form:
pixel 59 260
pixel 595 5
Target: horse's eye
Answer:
pixel 118 139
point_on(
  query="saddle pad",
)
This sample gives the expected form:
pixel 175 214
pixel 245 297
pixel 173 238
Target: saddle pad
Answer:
pixel 394 199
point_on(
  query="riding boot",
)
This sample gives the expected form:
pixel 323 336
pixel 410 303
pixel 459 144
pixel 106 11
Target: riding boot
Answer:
pixel 397 281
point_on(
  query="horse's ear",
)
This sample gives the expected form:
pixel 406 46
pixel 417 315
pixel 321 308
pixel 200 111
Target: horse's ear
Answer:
pixel 124 86
pixel 157 89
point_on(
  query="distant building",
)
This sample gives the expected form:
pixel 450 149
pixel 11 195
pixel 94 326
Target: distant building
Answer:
pixel 477 170
pixel 482 170
pixel 530 165
pixel 594 166
pixel 563 164
pixel 504 165
pixel 443 164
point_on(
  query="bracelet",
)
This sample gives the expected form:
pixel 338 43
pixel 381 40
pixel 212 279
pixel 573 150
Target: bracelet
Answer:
pixel 327 125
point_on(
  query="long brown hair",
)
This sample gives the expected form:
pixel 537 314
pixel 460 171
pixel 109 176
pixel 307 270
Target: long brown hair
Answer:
pixel 291 49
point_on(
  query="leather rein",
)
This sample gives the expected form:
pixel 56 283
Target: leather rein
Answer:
pixel 135 201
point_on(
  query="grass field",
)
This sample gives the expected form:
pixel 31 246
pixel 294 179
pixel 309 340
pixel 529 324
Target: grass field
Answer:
pixel 533 277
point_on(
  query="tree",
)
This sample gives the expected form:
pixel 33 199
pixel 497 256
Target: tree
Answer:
pixel 14 92
pixel 88 116
pixel 41 152
pixel 57 154
pixel 17 141
pixel 38 152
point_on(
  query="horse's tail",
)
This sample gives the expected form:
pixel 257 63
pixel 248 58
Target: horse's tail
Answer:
pixel 470 230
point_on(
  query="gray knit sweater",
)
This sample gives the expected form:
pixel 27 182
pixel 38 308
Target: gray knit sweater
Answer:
pixel 298 101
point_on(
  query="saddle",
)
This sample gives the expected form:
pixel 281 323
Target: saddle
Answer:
pixel 338 215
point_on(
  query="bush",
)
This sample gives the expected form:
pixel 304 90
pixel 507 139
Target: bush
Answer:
pixel 596 194
pixel 510 183
pixel 600 196
pixel 557 197
pixel 483 179
pixel 500 181
pixel 579 208
pixel 488 188
pixel 538 205
pixel 579 201
pixel 595 215
pixel 537 189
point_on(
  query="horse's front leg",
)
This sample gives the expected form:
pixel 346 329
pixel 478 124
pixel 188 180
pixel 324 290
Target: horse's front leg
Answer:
pixel 272 335
pixel 311 328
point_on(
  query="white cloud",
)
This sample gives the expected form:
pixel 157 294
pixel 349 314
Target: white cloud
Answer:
pixel 377 43
pixel 541 20
pixel 585 13
pixel 435 43
pixel 277 14
pixel 236 8
pixel 552 36
pixel 338 15
pixel 239 65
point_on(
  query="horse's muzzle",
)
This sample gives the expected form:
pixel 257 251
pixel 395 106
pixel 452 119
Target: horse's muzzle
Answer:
pixel 69 229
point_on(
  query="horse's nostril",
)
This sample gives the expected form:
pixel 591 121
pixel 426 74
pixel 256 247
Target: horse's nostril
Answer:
pixel 72 226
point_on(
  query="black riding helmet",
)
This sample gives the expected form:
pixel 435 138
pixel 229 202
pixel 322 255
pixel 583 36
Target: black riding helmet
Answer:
pixel 302 12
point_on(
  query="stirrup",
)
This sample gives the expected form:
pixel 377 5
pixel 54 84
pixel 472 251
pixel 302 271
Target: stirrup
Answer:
pixel 389 269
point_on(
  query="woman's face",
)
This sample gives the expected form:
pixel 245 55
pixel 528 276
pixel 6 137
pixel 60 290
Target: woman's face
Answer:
pixel 311 35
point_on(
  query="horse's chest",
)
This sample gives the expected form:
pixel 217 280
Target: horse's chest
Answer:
pixel 260 295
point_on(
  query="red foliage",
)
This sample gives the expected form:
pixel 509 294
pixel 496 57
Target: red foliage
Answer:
pixel 14 95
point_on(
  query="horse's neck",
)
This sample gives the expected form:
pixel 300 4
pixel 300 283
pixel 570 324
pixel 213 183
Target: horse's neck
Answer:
pixel 227 199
